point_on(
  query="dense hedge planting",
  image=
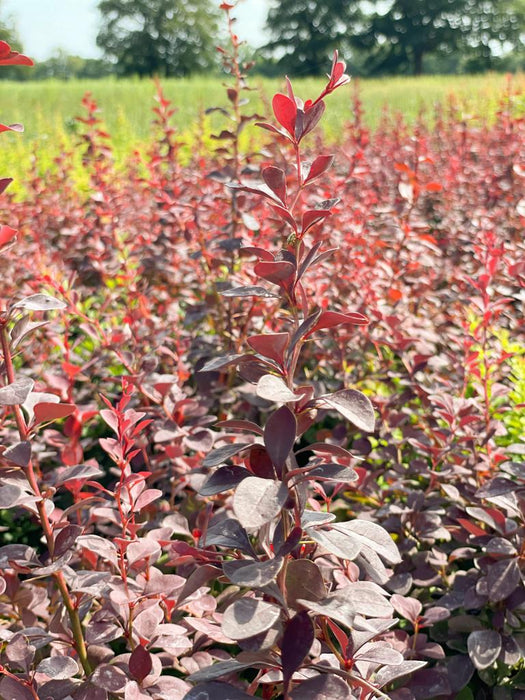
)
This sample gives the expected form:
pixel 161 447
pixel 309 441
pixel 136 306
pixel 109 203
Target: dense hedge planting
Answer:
pixel 262 416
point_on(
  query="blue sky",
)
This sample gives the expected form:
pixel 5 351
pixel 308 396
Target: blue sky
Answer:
pixel 46 25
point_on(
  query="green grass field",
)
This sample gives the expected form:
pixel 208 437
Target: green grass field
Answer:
pixel 48 109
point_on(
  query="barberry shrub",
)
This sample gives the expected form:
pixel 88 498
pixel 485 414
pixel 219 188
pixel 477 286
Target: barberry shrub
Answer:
pixel 257 441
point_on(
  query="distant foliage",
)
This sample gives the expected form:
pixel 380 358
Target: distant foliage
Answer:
pixel 304 33
pixel 397 36
pixel 159 37
pixel 399 40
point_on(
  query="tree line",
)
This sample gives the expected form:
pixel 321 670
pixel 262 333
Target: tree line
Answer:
pixel 178 38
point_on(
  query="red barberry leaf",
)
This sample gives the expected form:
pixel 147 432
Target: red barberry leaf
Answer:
pixel 271 345
pixel 140 663
pixel 285 111
pixel 275 178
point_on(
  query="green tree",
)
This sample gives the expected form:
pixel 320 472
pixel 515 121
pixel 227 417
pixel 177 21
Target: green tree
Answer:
pixel 9 34
pixel 304 33
pixel 163 37
pixel 65 66
pixel 400 36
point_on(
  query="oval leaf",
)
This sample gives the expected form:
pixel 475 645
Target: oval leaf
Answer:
pixel 9 495
pixel 276 180
pixel 6 234
pixel 304 580
pixel 223 479
pixel 354 406
pixel 338 543
pixel 285 111
pixel 331 472
pixel 216 457
pixel 46 412
pixel 228 533
pixel 296 643
pixel 279 435
pixel 39 302
pixel 325 687
pixel 275 271
pixel 271 345
pixel 503 578
pixel 17 392
pixel 330 319
pixel 58 667
pixel 483 647
pixel 318 167
pixel 374 536
pixel 247 617
pixel 252 574
pixel 19 454
pixel 258 501
pixel 140 663
pixel 248 291
pixel 273 388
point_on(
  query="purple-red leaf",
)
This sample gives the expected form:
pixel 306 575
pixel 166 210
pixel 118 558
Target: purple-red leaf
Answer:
pixel 312 217
pixel 275 389
pixel 304 580
pixel 39 302
pixel 258 501
pixel 11 127
pixel 323 687
pixel 318 167
pixel 260 253
pixel 58 667
pixel 46 412
pixel 285 215
pixel 260 463
pixel 214 690
pixel 248 617
pixel 354 406
pixel 227 532
pixel 483 647
pixel 275 178
pixel 275 271
pixel 8 57
pixel 311 117
pixel 19 453
pixel 330 319
pixel 271 345
pixel 285 111
pixel 409 608
pixel 279 435
pixel 248 291
pixel 297 641
pixel 246 425
pixel 221 362
pixel 140 663
pixel 503 577
pixel 253 574
pixel 221 454
pixel 223 479
pixel 66 539
pixel 331 472
pixel 373 536
pixel 17 392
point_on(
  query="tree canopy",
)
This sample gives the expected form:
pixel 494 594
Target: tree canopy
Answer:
pixel 392 36
pixel 399 38
pixel 304 33
pixel 163 37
